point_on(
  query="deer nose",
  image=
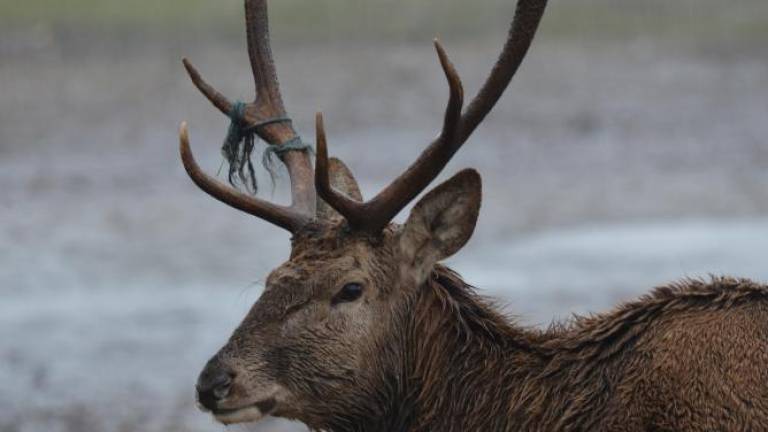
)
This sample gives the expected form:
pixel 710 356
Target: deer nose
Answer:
pixel 214 384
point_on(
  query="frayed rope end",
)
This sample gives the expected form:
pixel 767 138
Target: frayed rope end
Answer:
pixel 240 142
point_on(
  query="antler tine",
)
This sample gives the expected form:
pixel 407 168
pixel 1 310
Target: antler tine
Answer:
pixel 456 98
pixel 354 212
pixel 284 217
pixel 384 207
pixel 528 15
pixel 217 99
pixel 260 54
pixel 267 117
pixel 375 214
pixel 269 105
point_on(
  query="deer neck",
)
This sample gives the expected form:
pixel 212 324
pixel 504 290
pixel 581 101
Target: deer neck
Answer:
pixel 471 368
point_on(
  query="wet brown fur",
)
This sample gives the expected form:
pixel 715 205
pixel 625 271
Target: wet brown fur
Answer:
pixel 689 356
pixel 420 351
pixel 413 348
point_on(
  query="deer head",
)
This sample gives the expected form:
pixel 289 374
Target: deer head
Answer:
pixel 320 341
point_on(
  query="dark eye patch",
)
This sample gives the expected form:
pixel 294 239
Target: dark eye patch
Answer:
pixel 348 293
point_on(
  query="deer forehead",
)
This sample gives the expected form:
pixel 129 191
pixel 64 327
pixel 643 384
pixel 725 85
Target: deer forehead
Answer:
pixel 318 263
pixel 341 248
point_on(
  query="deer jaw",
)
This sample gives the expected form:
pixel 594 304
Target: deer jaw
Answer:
pixel 301 348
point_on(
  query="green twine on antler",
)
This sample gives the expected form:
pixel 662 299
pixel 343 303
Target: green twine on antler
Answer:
pixel 238 147
pixel 294 144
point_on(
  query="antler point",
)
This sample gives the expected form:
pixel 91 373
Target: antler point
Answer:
pixel 184 138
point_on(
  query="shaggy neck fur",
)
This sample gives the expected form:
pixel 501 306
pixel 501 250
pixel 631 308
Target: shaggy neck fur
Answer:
pixel 466 361
pixel 458 365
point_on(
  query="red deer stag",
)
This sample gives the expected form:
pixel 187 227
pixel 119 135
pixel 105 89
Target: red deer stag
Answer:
pixel 363 330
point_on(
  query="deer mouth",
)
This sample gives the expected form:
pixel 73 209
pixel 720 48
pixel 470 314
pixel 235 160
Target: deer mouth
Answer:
pixel 246 414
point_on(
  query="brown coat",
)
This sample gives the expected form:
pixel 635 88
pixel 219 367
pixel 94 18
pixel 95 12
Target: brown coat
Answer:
pixel 687 357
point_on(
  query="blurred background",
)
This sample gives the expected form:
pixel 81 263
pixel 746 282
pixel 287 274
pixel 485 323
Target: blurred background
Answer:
pixel 630 150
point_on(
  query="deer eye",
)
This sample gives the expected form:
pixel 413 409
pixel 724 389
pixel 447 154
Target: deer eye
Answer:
pixel 348 293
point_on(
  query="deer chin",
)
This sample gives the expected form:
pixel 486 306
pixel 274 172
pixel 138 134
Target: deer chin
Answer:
pixel 246 414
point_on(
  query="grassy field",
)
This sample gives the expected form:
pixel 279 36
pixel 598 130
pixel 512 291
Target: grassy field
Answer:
pixel 694 20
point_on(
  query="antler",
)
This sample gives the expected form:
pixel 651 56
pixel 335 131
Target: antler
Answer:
pixel 374 215
pixel 268 116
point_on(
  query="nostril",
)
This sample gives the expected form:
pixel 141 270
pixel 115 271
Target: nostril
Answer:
pixel 221 389
pixel 213 386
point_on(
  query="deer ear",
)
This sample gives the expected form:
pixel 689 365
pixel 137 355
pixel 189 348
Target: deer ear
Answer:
pixel 343 181
pixel 442 222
